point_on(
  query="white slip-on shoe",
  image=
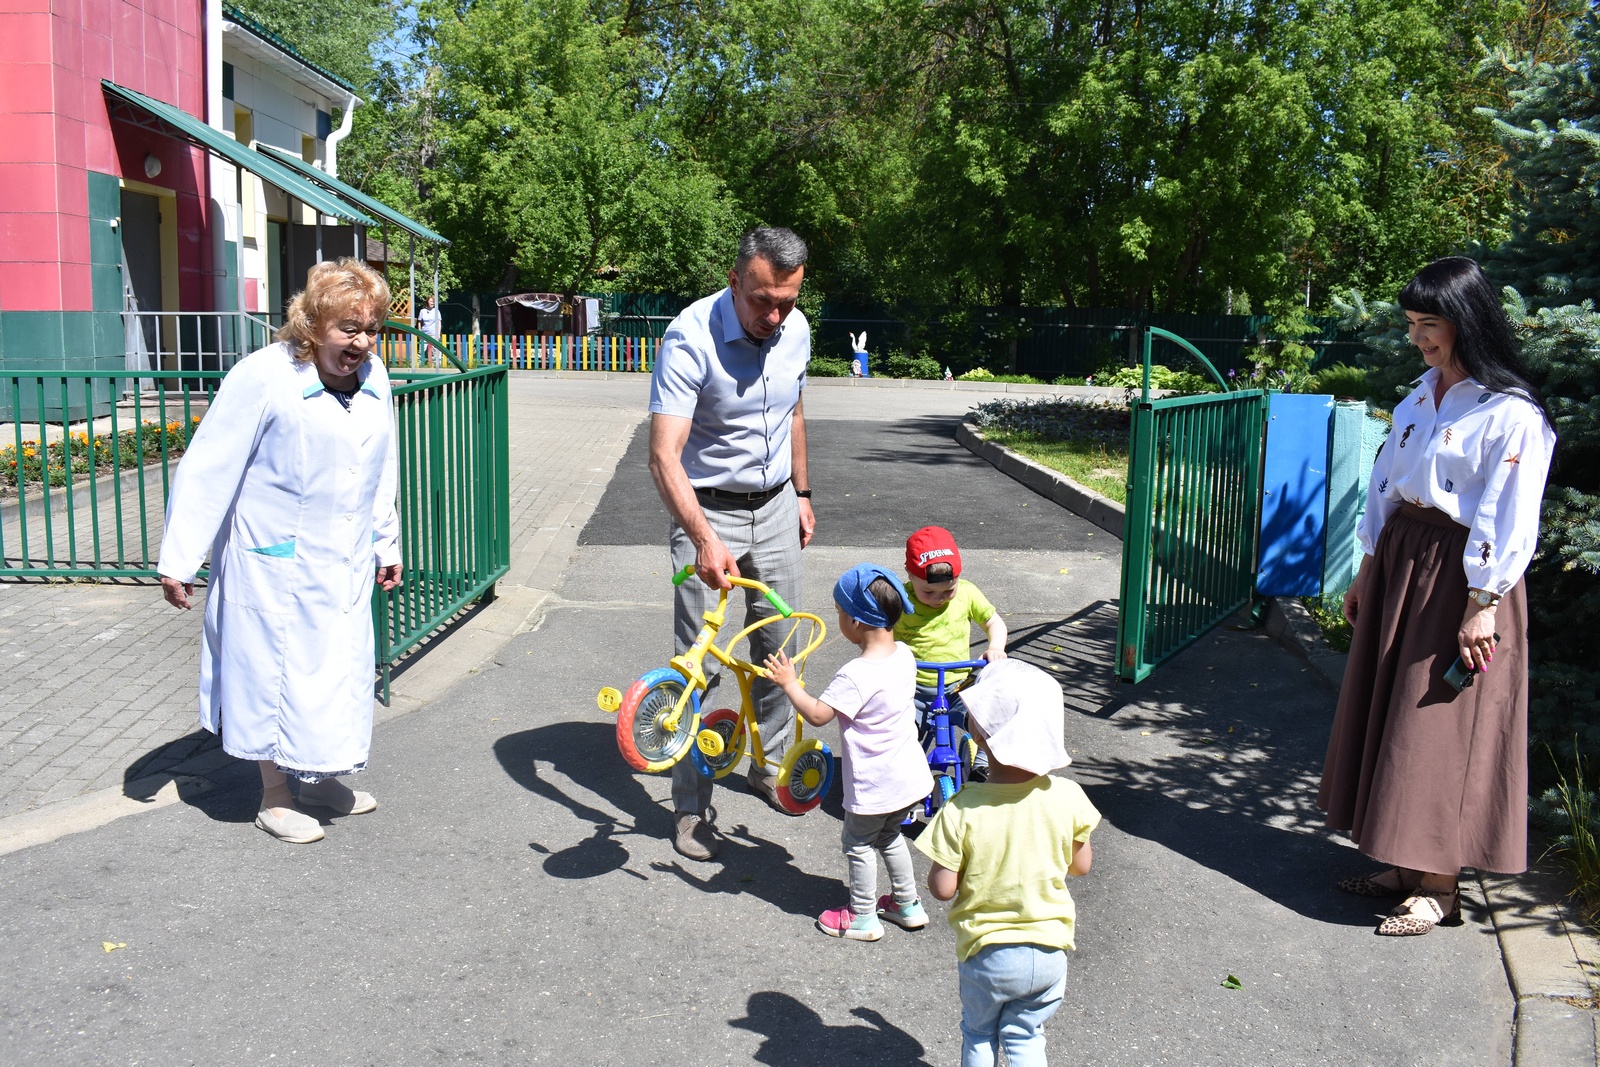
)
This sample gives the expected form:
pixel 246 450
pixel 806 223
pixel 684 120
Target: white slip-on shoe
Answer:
pixel 294 827
pixel 337 797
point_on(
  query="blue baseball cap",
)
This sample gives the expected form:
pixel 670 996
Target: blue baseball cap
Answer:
pixel 850 592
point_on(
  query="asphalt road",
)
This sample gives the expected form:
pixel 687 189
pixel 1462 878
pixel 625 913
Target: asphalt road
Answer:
pixel 514 899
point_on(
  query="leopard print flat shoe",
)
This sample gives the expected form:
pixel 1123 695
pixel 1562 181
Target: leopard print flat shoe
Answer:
pixel 1367 885
pixel 1421 912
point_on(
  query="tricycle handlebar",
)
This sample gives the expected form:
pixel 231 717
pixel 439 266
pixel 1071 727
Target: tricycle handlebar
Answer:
pixel 749 583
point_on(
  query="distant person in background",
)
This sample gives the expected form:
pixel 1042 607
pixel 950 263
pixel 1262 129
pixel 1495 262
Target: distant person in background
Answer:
pixel 430 322
pixel 289 488
pixel 1429 778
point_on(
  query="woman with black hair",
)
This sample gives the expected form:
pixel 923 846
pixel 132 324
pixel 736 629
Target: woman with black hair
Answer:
pixel 1429 779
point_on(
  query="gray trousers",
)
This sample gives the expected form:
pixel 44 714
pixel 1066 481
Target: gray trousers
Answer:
pixel 865 838
pixel 765 542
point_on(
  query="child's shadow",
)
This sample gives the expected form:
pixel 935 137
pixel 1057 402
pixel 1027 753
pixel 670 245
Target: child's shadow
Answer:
pixel 749 864
pixel 793 1033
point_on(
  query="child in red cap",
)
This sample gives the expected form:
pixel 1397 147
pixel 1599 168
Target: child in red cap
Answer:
pixel 944 605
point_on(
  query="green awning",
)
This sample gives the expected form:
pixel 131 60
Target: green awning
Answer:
pixel 186 127
pixel 354 195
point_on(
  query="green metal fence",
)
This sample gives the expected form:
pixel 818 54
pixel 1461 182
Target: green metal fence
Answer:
pixel 1192 523
pixel 455 491
pixel 87 459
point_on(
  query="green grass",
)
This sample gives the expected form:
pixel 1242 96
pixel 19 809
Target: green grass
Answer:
pixel 1093 464
pixel 1329 615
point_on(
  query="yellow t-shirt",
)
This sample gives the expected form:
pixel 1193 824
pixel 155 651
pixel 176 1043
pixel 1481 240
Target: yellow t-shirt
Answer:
pixel 1012 845
pixel 943 634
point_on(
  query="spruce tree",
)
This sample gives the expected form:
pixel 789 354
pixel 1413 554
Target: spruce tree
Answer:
pixel 1551 132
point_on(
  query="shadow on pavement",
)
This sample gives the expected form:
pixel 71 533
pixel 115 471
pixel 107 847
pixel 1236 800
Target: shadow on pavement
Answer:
pixel 751 865
pixel 586 752
pixel 793 1033
pixel 221 794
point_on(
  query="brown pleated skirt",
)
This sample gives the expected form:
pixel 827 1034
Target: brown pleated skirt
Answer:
pixel 1423 776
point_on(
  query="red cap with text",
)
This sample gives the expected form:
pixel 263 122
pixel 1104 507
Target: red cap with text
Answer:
pixel 930 545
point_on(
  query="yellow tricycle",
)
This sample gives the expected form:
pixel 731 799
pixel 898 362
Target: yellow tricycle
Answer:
pixel 659 720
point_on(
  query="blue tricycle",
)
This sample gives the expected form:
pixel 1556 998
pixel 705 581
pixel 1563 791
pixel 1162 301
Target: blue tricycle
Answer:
pixel 950 756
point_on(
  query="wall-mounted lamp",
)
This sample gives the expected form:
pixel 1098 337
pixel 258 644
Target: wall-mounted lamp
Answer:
pixel 152 165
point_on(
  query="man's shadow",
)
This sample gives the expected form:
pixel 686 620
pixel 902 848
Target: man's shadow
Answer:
pixel 584 752
pixel 749 864
pixel 794 1033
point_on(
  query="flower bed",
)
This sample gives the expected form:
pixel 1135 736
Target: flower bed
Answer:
pixel 81 454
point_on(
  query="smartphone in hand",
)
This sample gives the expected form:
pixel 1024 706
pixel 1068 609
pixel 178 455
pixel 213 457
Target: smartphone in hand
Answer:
pixel 1460 675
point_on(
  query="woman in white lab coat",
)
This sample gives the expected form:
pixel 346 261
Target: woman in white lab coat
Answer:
pixel 289 486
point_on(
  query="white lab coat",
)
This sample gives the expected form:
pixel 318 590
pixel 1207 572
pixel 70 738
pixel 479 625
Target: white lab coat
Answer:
pixel 294 498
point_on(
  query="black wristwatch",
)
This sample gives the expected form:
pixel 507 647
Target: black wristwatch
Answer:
pixel 803 494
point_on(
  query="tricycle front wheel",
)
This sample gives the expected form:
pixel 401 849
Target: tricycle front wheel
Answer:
pixel 643 737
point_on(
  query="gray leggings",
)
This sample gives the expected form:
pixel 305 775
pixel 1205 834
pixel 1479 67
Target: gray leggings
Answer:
pixel 865 837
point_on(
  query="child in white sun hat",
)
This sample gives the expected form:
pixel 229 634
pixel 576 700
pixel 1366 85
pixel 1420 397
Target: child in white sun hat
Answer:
pixel 1003 849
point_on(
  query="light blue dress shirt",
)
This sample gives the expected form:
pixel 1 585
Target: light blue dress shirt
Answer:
pixel 739 395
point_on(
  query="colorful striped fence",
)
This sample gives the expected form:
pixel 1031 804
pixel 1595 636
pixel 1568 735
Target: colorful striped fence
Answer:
pixel 590 352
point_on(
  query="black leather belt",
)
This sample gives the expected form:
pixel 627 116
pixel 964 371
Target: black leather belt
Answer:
pixel 739 500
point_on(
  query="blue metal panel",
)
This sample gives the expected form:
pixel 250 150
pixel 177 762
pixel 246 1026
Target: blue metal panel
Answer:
pixel 1294 502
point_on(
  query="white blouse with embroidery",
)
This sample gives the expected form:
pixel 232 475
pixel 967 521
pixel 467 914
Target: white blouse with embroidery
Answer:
pixel 1481 458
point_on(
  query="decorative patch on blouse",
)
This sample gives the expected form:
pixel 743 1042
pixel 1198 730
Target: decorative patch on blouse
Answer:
pixel 1447 435
pixel 1420 398
pixel 1483 556
pixel 1383 486
pixel 1449 486
pixel 1407 434
pixel 1483 398
pixel 1516 457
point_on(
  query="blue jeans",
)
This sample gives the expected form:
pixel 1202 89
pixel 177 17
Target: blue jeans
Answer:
pixel 1007 993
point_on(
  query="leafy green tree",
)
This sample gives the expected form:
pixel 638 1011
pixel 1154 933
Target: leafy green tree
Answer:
pixel 1551 127
pixel 554 158
pixel 340 35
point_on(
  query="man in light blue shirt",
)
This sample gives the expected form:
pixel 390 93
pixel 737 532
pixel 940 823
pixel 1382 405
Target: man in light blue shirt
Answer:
pixel 728 455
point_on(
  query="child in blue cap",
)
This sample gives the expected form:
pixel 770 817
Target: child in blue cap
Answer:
pixel 885 770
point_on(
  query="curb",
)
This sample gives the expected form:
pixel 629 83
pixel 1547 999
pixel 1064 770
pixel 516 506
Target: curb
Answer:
pixel 1101 511
pixel 1552 961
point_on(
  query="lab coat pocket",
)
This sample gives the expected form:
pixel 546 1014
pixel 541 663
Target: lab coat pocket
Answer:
pixel 261 577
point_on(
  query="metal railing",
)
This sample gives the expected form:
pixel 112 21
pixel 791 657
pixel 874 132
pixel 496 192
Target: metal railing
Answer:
pixel 192 340
pixel 454 501
pixel 1192 521
pixel 86 464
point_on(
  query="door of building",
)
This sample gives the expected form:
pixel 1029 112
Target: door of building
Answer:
pixel 141 250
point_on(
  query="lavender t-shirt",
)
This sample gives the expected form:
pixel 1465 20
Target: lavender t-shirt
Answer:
pixel 885 770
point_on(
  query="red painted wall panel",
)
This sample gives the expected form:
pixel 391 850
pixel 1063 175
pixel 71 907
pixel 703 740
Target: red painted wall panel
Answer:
pixel 30 286
pixel 28 186
pixel 55 123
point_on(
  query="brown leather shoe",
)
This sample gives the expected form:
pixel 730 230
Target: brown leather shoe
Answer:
pixel 767 789
pixel 695 838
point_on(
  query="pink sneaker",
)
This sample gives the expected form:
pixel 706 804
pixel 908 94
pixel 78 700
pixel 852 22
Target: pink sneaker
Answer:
pixel 842 922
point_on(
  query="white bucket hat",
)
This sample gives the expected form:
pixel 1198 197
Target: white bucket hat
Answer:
pixel 1019 708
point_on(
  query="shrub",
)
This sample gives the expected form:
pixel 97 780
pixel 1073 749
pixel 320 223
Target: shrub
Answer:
pixel 921 367
pixel 1160 378
pixel 1341 379
pixel 828 367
